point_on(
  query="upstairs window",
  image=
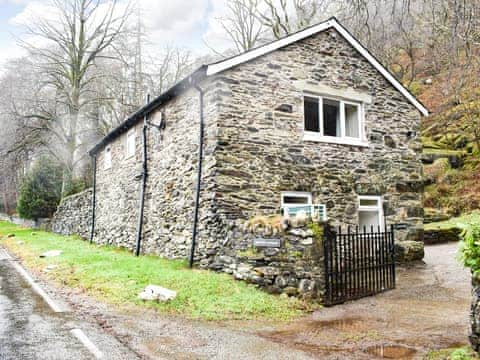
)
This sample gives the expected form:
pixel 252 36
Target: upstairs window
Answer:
pixel 107 159
pixel 130 146
pixel 332 119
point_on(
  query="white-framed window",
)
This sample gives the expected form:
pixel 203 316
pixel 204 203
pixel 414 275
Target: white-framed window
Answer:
pixel 370 213
pixel 107 158
pixel 334 120
pixel 295 198
pixel 130 144
pixel 293 202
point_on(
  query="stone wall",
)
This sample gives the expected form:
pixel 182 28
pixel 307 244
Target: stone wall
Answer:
pixel 74 215
pixel 475 315
pixel 262 151
pixel 43 224
pixel 172 174
pixel 288 261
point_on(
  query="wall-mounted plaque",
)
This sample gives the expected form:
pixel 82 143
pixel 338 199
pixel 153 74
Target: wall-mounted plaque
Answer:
pixel 267 242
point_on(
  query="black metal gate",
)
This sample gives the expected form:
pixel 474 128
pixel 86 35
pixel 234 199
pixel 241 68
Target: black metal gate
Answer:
pixel 358 263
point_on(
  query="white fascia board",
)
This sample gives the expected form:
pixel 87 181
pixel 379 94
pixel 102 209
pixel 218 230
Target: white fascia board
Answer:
pixel 262 50
pixel 236 60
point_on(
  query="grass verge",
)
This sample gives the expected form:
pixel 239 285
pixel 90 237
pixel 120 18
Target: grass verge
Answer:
pixel 116 277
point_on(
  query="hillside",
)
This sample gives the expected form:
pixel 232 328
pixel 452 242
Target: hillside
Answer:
pixel 451 142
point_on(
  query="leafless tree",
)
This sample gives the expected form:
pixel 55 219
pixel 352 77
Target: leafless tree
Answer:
pixel 284 17
pixel 82 33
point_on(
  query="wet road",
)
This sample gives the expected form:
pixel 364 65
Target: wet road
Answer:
pixel 29 329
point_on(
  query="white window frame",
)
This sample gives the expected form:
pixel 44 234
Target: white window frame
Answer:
pixel 107 158
pixel 376 208
pixel 297 194
pixel 131 134
pixel 342 139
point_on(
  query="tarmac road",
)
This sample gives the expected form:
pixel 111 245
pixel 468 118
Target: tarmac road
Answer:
pixel 30 329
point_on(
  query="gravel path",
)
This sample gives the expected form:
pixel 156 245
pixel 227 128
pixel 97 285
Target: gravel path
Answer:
pixel 428 310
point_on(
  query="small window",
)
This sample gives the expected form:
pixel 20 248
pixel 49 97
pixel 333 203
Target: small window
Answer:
pixel 331 118
pixel 294 202
pixel 107 160
pixel 370 213
pixel 130 146
pixel 295 198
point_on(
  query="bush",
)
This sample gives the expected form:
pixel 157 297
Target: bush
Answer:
pixel 74 186
pixel 470 245
pixel 40 192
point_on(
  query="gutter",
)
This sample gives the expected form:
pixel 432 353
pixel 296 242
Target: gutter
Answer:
pixel 94 196
pixel 199 175
pixel 143 184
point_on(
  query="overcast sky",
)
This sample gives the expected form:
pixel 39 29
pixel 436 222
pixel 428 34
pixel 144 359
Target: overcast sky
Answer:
pixel 183 23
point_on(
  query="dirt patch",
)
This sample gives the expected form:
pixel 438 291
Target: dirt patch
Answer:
pixel 391 352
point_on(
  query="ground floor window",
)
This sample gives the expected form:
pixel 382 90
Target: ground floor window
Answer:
pixel 293 202
pixel 370 213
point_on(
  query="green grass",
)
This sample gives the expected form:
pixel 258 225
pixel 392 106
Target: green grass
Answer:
pixel 463 353
pixel 459 222
pixel 116 277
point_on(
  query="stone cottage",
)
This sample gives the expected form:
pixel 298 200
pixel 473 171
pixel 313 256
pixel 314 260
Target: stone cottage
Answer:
pixel 311 121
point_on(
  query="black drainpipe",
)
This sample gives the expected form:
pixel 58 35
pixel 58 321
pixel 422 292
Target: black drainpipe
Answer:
pixel 199 178
pixel 94 195
pixel 143 184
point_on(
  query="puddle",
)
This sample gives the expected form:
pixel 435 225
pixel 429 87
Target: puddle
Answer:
pixel 348 324
pixel 391 352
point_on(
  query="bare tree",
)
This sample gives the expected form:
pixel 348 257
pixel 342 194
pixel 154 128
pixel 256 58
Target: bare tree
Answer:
pixel 82 33
pixel 283 17
pixel 241 25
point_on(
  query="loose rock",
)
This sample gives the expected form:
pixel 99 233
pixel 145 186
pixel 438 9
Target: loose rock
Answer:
pixel 158 293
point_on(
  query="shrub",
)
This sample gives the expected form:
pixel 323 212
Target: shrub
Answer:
pixel 74 186
pixel 40 192
pixel 470 245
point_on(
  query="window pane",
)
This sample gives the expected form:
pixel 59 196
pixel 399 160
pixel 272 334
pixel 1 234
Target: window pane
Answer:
pixel 368 202
pixel 331 118
pixel 131 144
pixel 302 200
pixel 311 114
pixel 368 219
pixel 351 121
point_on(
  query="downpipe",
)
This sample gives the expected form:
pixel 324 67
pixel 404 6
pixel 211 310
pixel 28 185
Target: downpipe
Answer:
pixel 199 176
pixel 143 184
pixel 94 197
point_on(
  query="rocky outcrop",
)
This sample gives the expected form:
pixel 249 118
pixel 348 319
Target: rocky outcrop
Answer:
pixel 433 236
pixel 74 215
pixel 407 251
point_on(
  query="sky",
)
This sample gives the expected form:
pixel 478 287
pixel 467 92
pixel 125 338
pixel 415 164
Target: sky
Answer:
pixel 188 24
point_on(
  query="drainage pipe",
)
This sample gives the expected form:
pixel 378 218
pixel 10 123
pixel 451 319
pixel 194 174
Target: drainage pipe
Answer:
pixel 143 184
pixel 94 197
pixel 199 176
